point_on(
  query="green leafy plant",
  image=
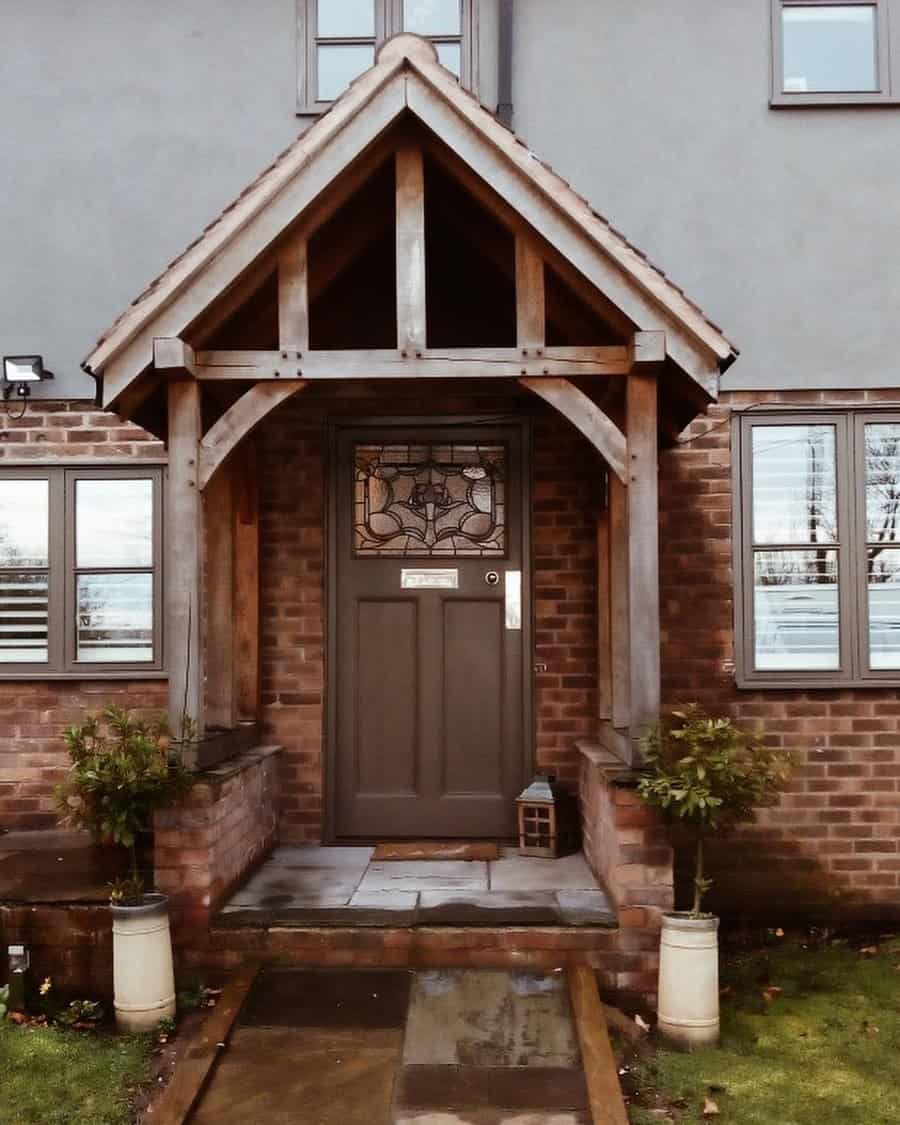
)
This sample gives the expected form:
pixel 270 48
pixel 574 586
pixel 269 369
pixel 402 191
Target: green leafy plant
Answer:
pixel 4 1001
pixel 122 770
pixel 710 775
pixel 80 1013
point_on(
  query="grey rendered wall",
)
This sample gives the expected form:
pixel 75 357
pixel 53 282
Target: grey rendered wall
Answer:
pixel 783 224
pixel 125 127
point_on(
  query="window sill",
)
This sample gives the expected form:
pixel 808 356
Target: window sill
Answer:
pixel 79 676
pixel 832 101
pixel 742 683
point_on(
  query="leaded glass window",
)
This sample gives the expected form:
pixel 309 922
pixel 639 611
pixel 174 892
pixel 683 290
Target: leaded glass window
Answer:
pixel 429 501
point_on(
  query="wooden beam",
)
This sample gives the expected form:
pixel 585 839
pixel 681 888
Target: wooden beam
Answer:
pixel 171 353
pixel 586 416
pixel 411 314
pixel 293 296
pixel 238 421
pixel 643 551
pixel 601 1072
pixel 218 508
pixel 434 363
pixel 184 525
pixel 648 351
pixel 246 585
pixel 531 306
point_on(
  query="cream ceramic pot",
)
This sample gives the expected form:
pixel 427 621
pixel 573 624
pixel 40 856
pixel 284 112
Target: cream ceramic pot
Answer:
pixel 688 1006
pixel 143 977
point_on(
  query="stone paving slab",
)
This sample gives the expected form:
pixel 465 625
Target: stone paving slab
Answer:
pixel 272 887
pixel 492 1019
pixel 488 908
pixel 426 875
pixel 585 908
pixel 376 998
pixel 497 1087
pixel 282 1076
pixel 312 855
pixel 514 872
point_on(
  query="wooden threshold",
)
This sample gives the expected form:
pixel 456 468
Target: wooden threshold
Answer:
pixel 599 1062
pixel 193 1072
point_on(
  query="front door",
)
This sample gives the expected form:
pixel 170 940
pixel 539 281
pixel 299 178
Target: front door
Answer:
pixel 429 585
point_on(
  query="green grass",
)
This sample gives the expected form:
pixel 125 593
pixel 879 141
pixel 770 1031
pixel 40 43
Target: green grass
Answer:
pixel 55 1077
pixel 826 1051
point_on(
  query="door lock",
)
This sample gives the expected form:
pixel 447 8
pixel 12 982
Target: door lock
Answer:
pixel 492 578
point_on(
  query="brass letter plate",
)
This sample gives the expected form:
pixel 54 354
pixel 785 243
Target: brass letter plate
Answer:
pixel 429 579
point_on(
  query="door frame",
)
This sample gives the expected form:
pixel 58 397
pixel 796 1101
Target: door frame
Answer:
pixel 382 424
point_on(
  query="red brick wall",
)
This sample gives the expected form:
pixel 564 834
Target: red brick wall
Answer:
pixel 568 487
pixel 72 432
pixel 831 844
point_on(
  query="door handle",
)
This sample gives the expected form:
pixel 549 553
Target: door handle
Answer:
pixel 513 590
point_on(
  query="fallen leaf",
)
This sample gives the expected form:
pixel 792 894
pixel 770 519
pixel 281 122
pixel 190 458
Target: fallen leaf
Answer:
pixel 779 932
pixel 726 990
pixel 17 1017
pixel 869 950
pixel 642 1023
pixel 771 993
pixel 710 1108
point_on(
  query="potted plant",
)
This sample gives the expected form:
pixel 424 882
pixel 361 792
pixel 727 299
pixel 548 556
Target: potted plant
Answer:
pixel 122 771
pixel 709 775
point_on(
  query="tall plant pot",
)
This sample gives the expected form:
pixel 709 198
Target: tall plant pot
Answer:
pixel 688 1009
pixel 143 977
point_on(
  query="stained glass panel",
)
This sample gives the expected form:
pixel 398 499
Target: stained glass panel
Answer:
pixel 429 501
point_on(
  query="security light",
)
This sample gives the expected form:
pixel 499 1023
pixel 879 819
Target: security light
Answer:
pixel 20 371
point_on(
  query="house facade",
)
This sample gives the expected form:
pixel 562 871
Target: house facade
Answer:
pixel 414 466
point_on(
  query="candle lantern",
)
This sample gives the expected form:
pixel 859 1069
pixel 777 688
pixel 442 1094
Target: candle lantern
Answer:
pixel 546 820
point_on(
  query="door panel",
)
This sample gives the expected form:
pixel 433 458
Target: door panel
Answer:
pixel 427 681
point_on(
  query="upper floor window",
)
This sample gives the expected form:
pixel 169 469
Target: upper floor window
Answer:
pixel 80 573
pixel 830 52
pixel 818 537
pixel 338 40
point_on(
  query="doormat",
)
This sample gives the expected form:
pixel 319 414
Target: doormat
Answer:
pixel 430 849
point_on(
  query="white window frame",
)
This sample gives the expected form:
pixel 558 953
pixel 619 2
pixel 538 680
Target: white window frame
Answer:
pixel 388 22
pixel 884 95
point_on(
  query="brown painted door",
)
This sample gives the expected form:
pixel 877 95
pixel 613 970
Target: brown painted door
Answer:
pixel 428 673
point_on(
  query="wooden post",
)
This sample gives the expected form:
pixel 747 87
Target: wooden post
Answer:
pixel 411 310
pixel 219 590
pixel 531 312
pixel 246 585
pixel 643 551
pixel 604 620
pixel 293 298
pixel 184 532
pixel 620 658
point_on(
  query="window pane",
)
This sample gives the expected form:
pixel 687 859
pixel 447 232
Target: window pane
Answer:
pixel 829 48
pixel 883 483
pixel 23 618
pixel 796 610
pixel 338 66
pixel 115 617
pixel 884 608
pixel 24 522
pixel 345 19
pixel 114 522
pixel 432 17
pixel 794 495
pixel 449 55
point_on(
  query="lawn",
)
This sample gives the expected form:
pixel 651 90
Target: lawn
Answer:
pixel 810 1036
pixel 50 1076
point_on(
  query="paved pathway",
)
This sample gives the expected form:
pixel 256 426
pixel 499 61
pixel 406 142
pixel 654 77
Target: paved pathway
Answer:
pixel 461 1047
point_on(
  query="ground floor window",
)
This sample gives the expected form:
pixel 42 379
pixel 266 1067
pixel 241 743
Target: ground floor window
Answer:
pixel 818 548
pixel 80 570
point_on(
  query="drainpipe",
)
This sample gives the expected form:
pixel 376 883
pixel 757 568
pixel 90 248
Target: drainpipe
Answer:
pixel 504 64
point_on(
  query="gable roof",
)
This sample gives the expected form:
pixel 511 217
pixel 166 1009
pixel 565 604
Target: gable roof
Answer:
pixel 407 78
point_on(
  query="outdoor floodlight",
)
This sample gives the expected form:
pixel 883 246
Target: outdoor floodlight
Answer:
pixel 20 371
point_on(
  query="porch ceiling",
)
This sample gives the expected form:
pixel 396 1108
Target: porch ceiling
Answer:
pixel 278 213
